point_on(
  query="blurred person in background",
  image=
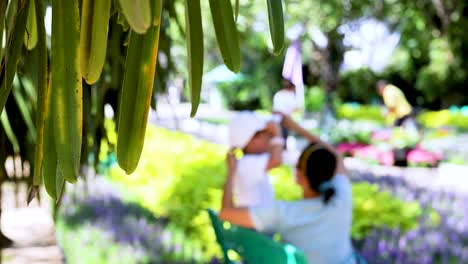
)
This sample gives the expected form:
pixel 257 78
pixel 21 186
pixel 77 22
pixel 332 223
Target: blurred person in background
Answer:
pixel 285 102
pixel 398 108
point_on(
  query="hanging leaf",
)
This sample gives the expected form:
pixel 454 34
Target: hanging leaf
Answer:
pixel 43 92
pixel 276 21
pixel 226 33
pixel 12 52
pixel 22 105
pixel 194 43
pixel 9 132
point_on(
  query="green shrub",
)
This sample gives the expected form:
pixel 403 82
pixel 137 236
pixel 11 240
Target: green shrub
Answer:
pixel 315 99
pixel 360 112
pixel 434 119
pixel 358 85
pixel 243 94
pixel 178 177
pixel 373 208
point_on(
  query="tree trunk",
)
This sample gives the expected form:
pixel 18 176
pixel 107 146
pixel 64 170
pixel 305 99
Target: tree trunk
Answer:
pixel 329 60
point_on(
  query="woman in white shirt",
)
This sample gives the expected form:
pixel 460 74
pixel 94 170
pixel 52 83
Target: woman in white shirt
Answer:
pixel 285 102
pixel 319 224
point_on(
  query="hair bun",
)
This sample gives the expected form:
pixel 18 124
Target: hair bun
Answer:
pixel 324 186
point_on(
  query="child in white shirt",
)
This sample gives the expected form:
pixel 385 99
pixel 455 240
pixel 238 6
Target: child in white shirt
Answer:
pixel 262 146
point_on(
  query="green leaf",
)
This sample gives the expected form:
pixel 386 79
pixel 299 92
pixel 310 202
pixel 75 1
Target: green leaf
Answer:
pixel 13 51
pixel 24 110
pixel 9 132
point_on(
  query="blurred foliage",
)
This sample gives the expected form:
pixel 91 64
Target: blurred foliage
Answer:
pixel 245 94
pixel 429 64
pixel 373 208
pixel 353 111
pixel 353 132
pixel 261 76
pixel 88 244
pixel 434 119
pixel 429 119
pixel 401 138
pixel 315 99
pixel 180 176
pixel 358 85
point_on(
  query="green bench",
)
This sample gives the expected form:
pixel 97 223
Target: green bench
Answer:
pixel 252 246
pixel 256 248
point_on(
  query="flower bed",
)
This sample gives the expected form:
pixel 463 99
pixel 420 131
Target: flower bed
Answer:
pixel 440 237
pixel 96 226
pixel 456 117
pixel 390 147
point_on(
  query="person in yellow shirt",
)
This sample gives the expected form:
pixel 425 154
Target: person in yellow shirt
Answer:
pixel 394 99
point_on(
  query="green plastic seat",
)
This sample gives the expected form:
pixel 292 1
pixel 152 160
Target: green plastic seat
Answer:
pixel 252 246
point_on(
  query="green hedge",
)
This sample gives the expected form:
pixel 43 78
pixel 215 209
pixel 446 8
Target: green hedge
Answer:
pixel 428 119
pixel 360 112
pixel 434 119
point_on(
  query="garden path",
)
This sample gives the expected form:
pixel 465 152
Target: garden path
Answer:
pixel 30 227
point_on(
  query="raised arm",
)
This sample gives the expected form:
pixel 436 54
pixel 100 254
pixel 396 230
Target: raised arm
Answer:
pixel 238 216
pixel 289 123
pixel 276 146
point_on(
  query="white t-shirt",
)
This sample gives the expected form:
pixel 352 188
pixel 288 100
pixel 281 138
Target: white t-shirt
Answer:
pixel 285 102
pixel 321 231
pixel 252 185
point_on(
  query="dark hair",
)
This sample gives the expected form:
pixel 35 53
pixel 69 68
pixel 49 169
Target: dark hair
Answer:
pixel 319 164
pixel 381 83
pixel 288 84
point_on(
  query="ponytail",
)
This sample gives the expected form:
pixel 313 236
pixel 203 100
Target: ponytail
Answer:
pixel 318 164
pixel 327 191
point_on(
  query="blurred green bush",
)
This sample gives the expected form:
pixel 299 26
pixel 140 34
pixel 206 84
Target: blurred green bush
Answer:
pixel 315 98
pixel 354 111
pixel 434 119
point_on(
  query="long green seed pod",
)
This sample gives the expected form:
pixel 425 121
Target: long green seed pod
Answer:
pixel 66 89
pixel 135 97
pixel 226 33
pixel 194 40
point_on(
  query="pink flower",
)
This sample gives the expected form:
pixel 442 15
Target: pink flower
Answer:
pixel 420 156
pixel 386 158
pixel 350 148
pixel 343 147
pixel 383 135
pixel 367 152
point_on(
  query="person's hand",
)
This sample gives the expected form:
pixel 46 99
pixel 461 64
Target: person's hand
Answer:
pixel 273 129
pixel 286 120
pixel 231 162
pixel 278 113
